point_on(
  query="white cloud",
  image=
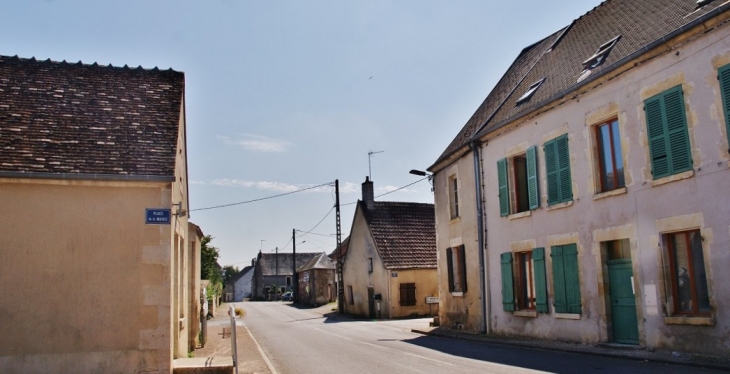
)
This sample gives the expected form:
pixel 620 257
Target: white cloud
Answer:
pixel 386 189
pixel 256 143
pixel 266 185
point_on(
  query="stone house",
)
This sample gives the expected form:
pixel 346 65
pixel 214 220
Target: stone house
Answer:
pixel 316 285
pixel 86 151
pixel 390 266
pixel 275 269
pixel 586 196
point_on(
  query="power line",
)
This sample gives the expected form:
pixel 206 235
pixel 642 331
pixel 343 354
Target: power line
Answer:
pixel 261 199
pixel 390 192
pixel 318 223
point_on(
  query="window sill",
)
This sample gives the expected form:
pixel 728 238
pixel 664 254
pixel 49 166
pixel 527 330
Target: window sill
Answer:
pixel 603 195
pixel 560 205
pixel 673 178
pixel 525 313
pixel 457 294
pixel 688 320
pixel 519 215
pixel 567 316
pixel 455 220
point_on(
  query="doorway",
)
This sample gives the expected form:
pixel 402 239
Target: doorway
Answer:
pixel 622 295
pixel 371 302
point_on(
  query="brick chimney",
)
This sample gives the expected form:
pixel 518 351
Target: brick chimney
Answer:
pixel 367 194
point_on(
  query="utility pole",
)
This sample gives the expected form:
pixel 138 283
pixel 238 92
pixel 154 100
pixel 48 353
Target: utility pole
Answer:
pixel 340 258
pixel 295 279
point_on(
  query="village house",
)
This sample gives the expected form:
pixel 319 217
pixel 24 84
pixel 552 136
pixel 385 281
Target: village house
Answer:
pixel 316 284
pixel 390 265
pixel 273 274
pixel 586 198
pixel 239 287
pixel 94 201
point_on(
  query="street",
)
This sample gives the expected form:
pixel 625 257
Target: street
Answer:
pixel 304 341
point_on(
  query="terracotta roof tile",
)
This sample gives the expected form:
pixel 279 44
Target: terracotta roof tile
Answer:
pixel 59 118
pixel 404 233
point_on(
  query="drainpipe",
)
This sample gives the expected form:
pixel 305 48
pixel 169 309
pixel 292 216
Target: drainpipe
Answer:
pixel 483 280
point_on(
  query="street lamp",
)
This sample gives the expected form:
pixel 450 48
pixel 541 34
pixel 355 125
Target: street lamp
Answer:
pixel 421 173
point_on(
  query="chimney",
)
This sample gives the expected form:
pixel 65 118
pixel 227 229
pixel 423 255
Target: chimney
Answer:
pixel 367 194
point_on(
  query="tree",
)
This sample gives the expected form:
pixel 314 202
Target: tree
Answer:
pixel 229 271
pixel 209 268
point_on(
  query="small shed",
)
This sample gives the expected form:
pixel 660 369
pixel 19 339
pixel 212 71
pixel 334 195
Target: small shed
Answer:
pixel 317 281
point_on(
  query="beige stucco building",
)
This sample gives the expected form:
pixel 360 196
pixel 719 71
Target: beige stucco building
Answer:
pixel 94 283
pixel 390 265
pixel 603 155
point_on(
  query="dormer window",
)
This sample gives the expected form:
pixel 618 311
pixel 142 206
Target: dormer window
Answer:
pixel 530 91
pixel 598 58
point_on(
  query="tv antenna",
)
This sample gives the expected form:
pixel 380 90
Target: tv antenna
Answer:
pixel 370 155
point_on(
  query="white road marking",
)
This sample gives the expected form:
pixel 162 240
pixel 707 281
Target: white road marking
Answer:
pixel 266 359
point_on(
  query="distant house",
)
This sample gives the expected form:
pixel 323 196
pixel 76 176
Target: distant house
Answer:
pixel 338 252
pixel 317 281
pixel 586 200
pixel 390 267
pixel 240 284
pixel 274 270
pixel 87 150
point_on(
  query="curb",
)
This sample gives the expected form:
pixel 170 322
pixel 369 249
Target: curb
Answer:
pixel 593 352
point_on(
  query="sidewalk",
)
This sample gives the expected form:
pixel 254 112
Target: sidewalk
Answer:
pixel 250 357
pixel 607 350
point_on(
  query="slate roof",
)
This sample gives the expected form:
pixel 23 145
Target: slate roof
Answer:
pixel 404 233
pixel 268 261
pixel 73 120
pixel 319 262
pixel 240 274
pixel 640 24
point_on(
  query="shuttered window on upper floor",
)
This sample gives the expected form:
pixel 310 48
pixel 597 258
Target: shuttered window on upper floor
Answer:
pixel 723 75
pixel 517 180
pixel 666 124
pixel 557 166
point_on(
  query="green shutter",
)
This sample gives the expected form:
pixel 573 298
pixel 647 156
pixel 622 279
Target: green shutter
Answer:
pixel 566 188
pixel 532 190
pixel 538 263
pixel 680 152
pixel 508 297
pixel 566 281
pixel 503 188
pixel 551 168
pixel 462 267
pixel 666 124
pixel 572 281
pixel 450 268
pixel 556 253
pixel 724 78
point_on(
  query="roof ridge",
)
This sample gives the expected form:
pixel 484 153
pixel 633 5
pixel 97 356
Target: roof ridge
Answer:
pixel 81 63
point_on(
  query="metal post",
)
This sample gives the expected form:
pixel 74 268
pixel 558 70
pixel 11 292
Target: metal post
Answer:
pixel 295 279
pixel 340 259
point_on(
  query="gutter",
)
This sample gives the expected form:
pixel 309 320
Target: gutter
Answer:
pixel 93 177
pixel 483 280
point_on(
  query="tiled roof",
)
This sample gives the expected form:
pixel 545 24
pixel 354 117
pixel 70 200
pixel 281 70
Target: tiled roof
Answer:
pixel 65 119
pixel 318 262
pixel 268 262
pixel 639 23
pixel 335 253
pixel 404 233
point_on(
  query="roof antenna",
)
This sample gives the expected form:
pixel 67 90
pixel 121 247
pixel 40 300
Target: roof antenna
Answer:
pixel 370 155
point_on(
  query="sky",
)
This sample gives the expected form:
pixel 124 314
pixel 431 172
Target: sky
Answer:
pixel 285 96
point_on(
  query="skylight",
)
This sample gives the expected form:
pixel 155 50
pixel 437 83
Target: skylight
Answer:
pixel 530 91
pixel 598 58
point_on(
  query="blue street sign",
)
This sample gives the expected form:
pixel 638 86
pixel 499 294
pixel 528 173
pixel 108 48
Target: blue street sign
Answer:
pixel 158 216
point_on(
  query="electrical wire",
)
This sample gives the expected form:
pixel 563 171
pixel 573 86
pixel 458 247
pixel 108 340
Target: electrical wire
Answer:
pixel 397 189
pixel 263 198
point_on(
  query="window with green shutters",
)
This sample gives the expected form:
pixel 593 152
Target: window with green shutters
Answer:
pixel 524 281
pixel 666 124
pixel 517 182
pixel 566 283
pixel 557 167
pixel 723 75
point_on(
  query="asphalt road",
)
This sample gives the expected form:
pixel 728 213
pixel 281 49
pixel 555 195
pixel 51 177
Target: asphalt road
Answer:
pixel 304 341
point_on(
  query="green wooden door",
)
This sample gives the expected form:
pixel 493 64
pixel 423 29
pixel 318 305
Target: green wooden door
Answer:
pixel 623 302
